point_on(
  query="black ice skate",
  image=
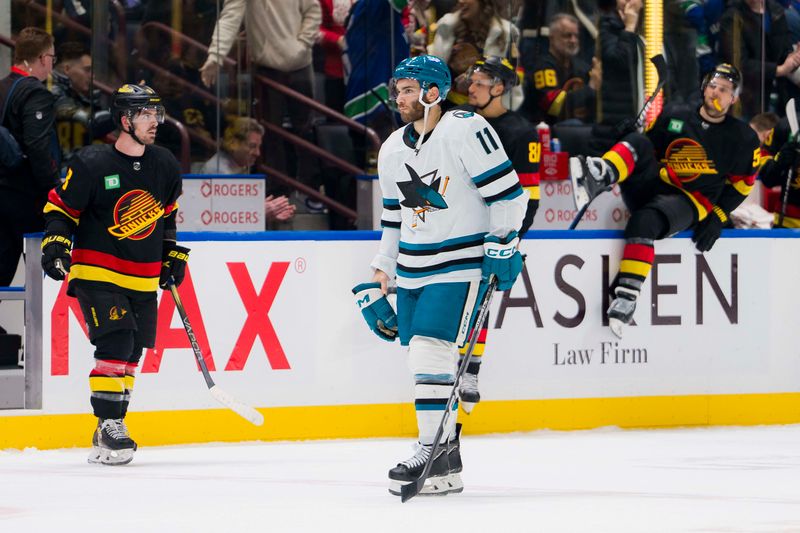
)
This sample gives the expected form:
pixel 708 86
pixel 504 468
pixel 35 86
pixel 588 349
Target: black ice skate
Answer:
pixel 468 392
pixel 111 443
pixel 440 480
pixel 454 460
pixel 590 176
pixel 620 312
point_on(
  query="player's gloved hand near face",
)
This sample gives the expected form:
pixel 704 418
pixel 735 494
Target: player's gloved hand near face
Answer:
pixel 173 264
pixel 708 230
pixel 377 310
pixel 56 256
pixel 502 259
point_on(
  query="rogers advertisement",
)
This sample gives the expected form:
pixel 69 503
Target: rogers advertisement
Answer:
pixel 557 208
pixel 222 203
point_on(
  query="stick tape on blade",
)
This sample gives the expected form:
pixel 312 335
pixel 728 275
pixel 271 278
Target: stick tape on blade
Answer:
pixel 245 411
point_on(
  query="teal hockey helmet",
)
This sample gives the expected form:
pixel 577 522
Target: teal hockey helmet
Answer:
pixel 428 71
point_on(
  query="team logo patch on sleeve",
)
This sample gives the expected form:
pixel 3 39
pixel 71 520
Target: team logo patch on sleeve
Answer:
pixel 111 182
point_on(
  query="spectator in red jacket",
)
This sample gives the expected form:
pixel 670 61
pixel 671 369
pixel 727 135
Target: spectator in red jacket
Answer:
pixel 331 35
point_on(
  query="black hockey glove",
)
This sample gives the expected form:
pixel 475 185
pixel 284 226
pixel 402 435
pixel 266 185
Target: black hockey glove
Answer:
pixel 56 258
pixel 624 127
pixel 173 264
pixel 708 230
pixel 786 157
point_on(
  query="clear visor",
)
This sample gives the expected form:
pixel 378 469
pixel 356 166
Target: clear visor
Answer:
pixel 155 113
pixel 729 87
pixel 491 82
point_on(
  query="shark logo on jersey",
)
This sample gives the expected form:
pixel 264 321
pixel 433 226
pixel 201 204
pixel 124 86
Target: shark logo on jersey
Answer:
pixel 418 194
pixel 420 197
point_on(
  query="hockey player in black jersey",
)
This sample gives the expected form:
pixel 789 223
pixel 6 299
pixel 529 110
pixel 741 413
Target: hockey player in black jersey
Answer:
pixel 489 79
pixel 691 170
pixel 779 157
pixel 118 206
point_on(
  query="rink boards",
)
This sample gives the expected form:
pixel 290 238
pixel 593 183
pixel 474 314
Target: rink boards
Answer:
pixel 715 344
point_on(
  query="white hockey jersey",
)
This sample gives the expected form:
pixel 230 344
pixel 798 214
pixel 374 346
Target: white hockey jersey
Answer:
pixel 440 203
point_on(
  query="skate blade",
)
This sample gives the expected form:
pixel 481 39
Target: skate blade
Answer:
pixel 111 457
pixel 467 407
pixel 454 482
pixel 434 486
pixel 616 326
pixel 579 194
pixel 94 455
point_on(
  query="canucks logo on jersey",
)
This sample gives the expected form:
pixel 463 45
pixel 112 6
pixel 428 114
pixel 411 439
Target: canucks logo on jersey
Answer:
pixel 688 159
pixel 419 196
pixel 135 215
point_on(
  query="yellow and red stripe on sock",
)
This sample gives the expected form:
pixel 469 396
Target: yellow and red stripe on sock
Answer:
pixel 637 260
pixel 622 159
pixel 108 376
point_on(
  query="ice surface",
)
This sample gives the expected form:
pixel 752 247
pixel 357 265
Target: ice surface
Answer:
pixel 696 480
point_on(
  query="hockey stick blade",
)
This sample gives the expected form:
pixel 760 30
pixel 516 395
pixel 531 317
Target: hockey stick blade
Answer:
pixel 662 72
pixel 661 68
pixel 791 116
pixel 245 411
pixel 410 490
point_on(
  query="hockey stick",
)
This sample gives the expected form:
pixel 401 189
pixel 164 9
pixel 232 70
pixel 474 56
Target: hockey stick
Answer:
pixel 791 116
pixel 245 411
pixel 412 489
pixel 661 70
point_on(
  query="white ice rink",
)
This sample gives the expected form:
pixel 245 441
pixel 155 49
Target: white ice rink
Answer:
pixel 697 480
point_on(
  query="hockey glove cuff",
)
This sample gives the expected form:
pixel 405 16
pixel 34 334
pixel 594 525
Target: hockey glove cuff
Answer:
pixel 502 259
pixel 173 264
pixel 377 310
pixel 56 257
pixel 708 230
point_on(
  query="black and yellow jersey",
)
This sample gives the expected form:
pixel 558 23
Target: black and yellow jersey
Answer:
pixel 773 174
pixel 519 139
pixel 714 164
pixel 119 208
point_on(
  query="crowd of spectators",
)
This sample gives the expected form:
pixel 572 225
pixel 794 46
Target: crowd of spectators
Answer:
pixel 581 62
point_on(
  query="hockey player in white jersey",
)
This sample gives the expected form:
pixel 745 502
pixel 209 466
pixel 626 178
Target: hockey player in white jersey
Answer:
pixel 452 204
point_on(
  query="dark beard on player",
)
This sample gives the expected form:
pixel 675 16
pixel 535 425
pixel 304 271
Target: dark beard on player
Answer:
pixel 416 112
